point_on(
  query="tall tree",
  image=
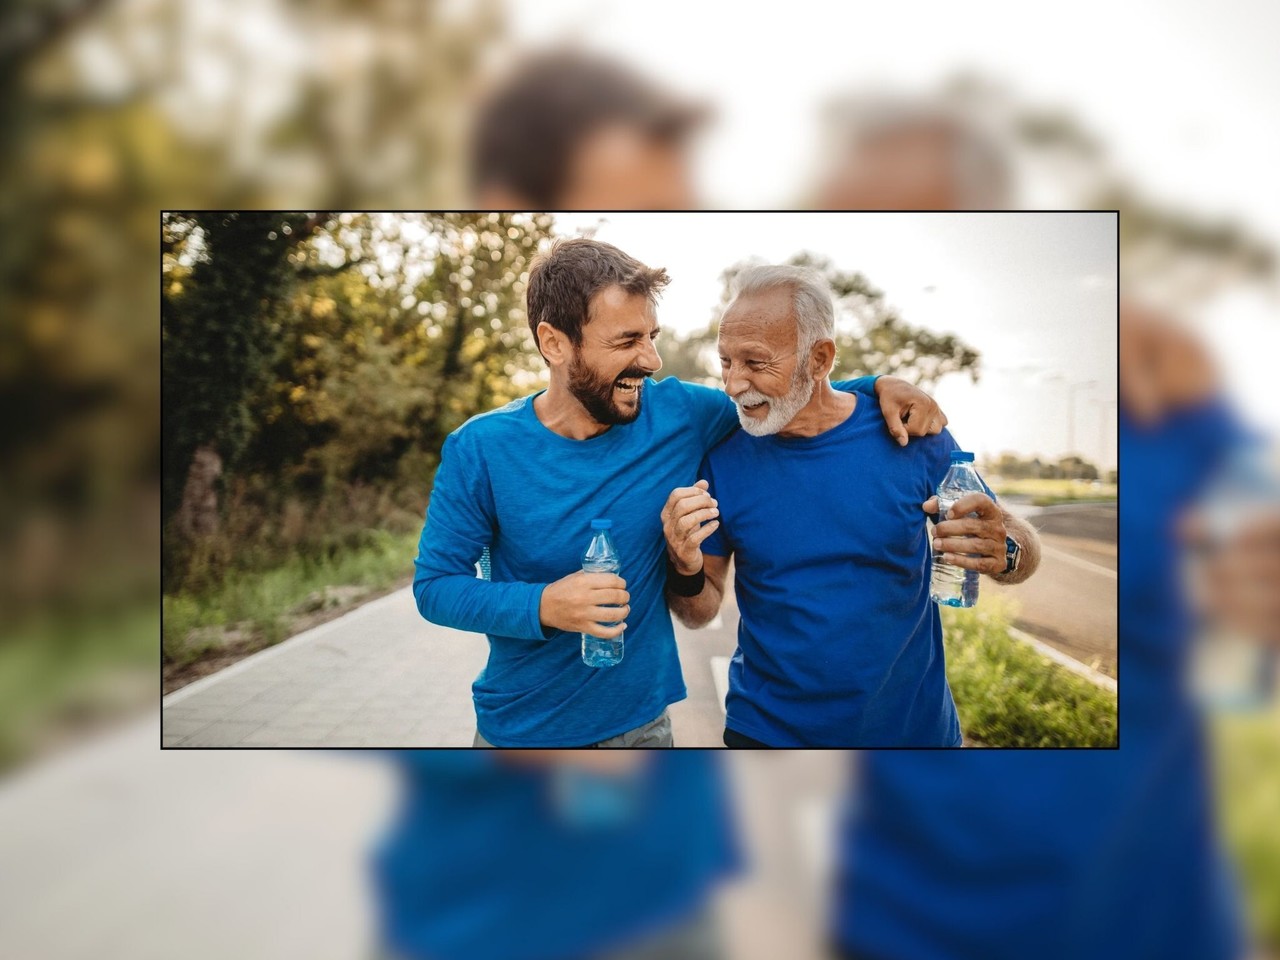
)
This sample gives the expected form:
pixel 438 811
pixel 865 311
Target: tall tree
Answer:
pixel 380 363
pixel 215 343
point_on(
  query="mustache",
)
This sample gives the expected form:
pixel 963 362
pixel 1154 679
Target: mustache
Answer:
pixel 631 373
pixel 750 397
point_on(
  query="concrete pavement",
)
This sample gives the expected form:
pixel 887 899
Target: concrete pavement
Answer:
pixel 381 676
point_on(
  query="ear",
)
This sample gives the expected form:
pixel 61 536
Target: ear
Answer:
pixel 822 358
pixel 554 344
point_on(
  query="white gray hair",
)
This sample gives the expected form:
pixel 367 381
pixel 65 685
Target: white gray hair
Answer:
pixel 810 299
pixel 979 158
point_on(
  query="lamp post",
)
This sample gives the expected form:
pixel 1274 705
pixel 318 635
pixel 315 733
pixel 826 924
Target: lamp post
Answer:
pixel 1071 412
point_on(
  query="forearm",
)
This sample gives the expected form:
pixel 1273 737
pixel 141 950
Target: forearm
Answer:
pixel 698 610
pixel 480 606
pixel 1029 541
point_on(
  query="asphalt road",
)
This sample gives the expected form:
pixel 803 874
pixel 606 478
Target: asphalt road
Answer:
pixel 1071 602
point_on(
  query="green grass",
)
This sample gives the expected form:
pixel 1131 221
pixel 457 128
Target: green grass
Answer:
pixel 1008 695
pixel 260 603
pixel 1248 776
pixel 64 673
pixel 1043 493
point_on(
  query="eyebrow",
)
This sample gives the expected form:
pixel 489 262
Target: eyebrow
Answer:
pixel 633 334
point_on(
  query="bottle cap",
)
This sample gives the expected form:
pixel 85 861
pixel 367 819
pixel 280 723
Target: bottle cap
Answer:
pixel 601 524
pixel 961 456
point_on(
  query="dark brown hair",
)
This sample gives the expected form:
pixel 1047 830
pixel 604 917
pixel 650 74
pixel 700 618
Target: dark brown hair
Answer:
pixel 563 280
pixel 526 132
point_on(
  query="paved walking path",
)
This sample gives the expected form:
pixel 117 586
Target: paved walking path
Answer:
pixel 381 676
pixel 377 676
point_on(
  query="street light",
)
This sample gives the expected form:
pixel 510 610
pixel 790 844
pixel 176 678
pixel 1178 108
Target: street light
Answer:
pixel 1071 412
pixel 1103 420
pixel 1072 386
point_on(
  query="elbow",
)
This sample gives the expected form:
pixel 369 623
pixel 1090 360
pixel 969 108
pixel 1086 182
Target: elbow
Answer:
pixel 428 600
pixel 695 618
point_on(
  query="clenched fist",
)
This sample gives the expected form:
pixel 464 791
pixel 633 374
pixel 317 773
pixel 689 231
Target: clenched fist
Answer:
pixel 688 518
pixel 585 603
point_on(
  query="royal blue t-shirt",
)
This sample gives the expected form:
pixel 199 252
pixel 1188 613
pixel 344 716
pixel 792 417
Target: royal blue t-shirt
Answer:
pixel 486 861
pixel 1065 854
pixel 509 484
pixel 839 644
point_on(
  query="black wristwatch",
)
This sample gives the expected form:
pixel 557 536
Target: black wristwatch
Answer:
pixel 1012 554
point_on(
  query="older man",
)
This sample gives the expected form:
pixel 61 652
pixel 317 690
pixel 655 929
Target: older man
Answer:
pixel 839 643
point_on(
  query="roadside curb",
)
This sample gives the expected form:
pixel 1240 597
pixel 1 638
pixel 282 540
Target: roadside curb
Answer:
pixel 1063 660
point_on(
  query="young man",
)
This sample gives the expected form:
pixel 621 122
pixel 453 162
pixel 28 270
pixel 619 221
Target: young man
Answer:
pixel 547 854
pixel 567 130
pixel 524 483
pixel 839 644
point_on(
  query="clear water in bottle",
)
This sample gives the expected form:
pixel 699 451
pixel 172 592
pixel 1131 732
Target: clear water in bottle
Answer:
pixel 593 800
pixel 601 557
pixel 1230 670
pixel 949 585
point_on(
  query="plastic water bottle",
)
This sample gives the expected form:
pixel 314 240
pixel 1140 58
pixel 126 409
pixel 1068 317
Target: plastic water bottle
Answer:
pixel 950 585
pixel 601 557
pixel 1230 670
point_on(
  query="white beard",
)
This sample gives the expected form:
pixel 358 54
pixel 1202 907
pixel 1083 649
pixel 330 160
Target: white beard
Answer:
pixel 782 410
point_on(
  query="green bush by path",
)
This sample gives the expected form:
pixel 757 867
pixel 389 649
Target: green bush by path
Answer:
pixel 261 602
pixel 1044 493
pixel 1247 759
pixel 64 674
pixel 1009 695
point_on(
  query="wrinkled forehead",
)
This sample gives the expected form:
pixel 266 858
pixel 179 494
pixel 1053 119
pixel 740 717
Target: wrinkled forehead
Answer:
pixel 766 319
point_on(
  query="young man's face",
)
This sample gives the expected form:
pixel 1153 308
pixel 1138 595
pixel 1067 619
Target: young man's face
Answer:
pixel 606 374
pixel 620 167
pixel 763 373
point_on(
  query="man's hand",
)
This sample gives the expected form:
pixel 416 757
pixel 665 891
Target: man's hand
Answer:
pixel 688 518
pixel 585 602
pixel 1239 585
pixel 975 543
pixel 908 410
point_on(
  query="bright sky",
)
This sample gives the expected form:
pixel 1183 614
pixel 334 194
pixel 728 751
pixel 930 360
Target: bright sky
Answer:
pixel 1179 90
pixel 1034 293
pixel 1181 93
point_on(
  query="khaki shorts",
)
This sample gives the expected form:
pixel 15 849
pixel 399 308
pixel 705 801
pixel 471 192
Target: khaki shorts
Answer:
pixel 655 733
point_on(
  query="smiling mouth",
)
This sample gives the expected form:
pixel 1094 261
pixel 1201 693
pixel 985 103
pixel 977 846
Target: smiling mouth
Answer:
pixel 628 386
pixel 754 407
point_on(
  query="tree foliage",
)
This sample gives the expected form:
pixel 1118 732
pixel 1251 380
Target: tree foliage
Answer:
pixel 382 362
pixel 215 341
pixel 871 336
pixel 320 368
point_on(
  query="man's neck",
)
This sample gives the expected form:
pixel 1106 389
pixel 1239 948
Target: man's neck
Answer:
pixel 560 412
pixel 826 409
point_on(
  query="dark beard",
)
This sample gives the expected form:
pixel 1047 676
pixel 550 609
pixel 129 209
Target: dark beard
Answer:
pixel 596 394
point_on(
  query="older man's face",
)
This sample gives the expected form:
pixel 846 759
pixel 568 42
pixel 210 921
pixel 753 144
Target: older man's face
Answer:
pixel 763 374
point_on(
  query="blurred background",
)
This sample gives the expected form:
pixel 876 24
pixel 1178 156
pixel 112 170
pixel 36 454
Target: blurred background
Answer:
pixel 115 111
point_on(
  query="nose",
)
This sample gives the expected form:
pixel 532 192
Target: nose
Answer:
pixel 649 358
pixel 735 382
